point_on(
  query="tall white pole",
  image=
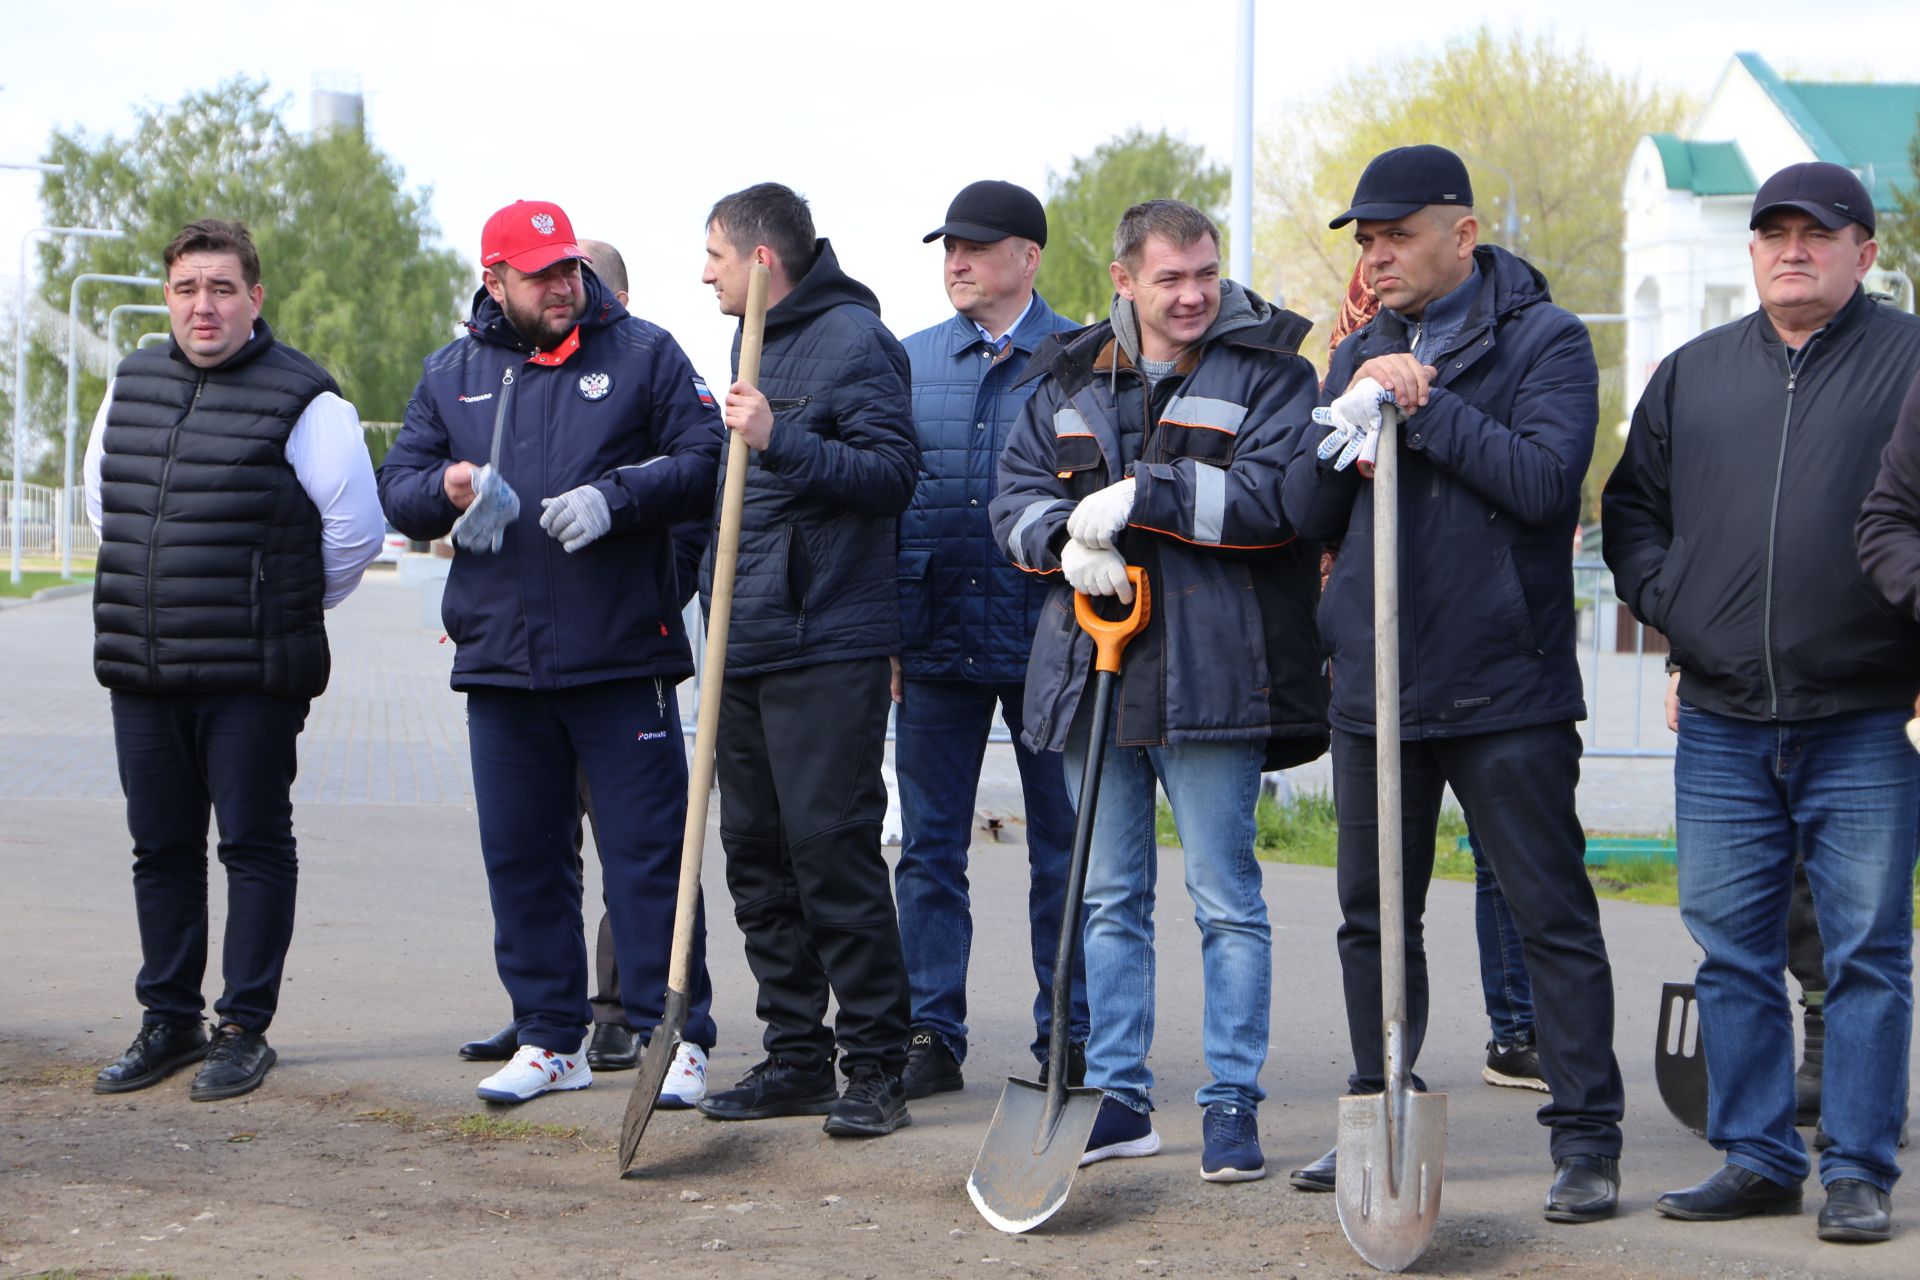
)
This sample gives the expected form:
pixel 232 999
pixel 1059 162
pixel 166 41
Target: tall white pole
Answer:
pixel 1240 268
pixel 18 521
pixel 63 529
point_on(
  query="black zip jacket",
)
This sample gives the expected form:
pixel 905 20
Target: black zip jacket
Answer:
pixel 1729 521
pixel 1888 531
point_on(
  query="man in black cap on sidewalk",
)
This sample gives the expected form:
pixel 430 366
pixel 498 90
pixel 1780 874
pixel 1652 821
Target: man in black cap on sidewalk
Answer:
pixel 967 622
pixel 1730 527
pixel 1501 397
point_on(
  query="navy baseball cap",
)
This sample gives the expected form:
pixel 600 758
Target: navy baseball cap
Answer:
pixel 1829 192
pixel 991 210
pixel 1405 180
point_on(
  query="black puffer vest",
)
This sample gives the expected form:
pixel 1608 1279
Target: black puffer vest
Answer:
pixel 210 578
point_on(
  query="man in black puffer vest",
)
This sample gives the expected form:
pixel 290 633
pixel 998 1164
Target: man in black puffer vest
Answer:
pixel 815 620
pixel 233 495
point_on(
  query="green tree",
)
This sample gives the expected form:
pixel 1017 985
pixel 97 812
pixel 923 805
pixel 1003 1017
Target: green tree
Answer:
pixel 1557 123
pixel 1085 202
pixel 353 272
pixel 1899 222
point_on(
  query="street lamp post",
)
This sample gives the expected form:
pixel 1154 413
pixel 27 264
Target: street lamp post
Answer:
pixel 63 531
pixel 18 521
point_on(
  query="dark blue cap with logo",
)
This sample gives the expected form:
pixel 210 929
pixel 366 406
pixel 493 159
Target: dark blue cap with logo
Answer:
pixel 1406 179
pixel 1829 192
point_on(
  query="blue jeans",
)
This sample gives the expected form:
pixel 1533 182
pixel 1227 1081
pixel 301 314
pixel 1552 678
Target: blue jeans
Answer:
pixel 1504 984
pixel 940 740
pixel 1212 787
pixel 1847 788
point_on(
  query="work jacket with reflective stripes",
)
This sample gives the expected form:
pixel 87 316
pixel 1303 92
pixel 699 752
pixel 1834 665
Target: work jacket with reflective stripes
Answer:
pixel 1730 518
pixel 1229 651
pixel 1489 496
pixel 965 613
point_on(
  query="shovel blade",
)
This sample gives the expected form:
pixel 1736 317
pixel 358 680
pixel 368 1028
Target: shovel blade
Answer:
pixel 1679 1057
pixel 1025 1168
pixel 1392 1152
pixel 652 1074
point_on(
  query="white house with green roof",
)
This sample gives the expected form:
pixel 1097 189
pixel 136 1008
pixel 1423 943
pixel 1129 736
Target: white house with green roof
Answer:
pixel 1688 198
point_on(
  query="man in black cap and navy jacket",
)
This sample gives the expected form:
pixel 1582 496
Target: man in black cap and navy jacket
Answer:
pixel 1500 394
pixel 1730 527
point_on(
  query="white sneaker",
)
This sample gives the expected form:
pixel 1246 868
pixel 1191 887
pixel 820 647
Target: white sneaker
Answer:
pixel 534 1071
pixel 686 1081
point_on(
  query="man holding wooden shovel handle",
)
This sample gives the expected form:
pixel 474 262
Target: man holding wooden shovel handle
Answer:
pixel 1499 390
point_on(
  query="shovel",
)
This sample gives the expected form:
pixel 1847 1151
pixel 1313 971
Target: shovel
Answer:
pixel 1039 1132
pixel 1679 1057
pixel 1391 1146
pixel 726 554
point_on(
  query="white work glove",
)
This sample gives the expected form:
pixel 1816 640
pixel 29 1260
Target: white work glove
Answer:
pixel 495 505
pixel 1095 571
pixel 1100 517
pixel 1355 419
pixel 576 517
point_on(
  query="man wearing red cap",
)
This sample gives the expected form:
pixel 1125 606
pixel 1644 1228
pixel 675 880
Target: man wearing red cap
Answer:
pixel 567 617
pixel 1730 527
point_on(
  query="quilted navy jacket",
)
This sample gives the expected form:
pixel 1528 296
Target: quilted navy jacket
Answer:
pixel 625 413
pixel 965 612
pixel 815 581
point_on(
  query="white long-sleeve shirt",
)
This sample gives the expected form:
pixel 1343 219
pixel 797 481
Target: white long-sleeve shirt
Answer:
pixel 328 453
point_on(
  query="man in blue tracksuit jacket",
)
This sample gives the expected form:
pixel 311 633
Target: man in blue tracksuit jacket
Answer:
pixel 967 619
pixel 567 618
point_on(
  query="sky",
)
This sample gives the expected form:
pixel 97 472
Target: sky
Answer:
pixel 636 117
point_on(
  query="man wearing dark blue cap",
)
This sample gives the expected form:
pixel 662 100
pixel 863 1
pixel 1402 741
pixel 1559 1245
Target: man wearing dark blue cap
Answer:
pixel 1730 526
pixel 967 619
pixel 1501 396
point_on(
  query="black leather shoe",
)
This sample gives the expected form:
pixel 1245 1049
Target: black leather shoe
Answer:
pixel 777 1087
pixel 612 1048
pixel 1076 1065
pixel 498 1047
pixel 159 1050
pixel 237 1061
pixel 931 1066
pixel 874 1105
pixel 1317 1176
pixel 1585 1189
pixel 1731 1193
pixel 1857 1212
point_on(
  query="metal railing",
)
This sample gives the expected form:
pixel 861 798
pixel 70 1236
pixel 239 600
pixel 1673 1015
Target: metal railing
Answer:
pixel 1613 654
pixel 43 508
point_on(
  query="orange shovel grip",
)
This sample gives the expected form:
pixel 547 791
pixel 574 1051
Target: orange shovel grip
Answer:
pixel 1110 636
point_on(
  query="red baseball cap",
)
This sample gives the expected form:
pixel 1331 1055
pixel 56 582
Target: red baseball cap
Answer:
pixel 529 236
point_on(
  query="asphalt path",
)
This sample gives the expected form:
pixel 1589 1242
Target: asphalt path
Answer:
pixel 391 963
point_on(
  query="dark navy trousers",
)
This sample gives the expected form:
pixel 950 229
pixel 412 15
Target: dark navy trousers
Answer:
pixel 183 757
pixel 531 749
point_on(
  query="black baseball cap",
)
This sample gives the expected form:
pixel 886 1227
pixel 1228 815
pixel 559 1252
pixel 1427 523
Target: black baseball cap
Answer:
pixel 1829 192
pixel 991 210
pixel 1406 179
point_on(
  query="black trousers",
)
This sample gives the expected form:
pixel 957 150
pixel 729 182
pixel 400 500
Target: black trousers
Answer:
pixel 1519 787
pixel 184 757
pixel 801 803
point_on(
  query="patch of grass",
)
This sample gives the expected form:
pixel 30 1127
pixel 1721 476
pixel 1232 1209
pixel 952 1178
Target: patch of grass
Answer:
pixel 495 1129
pixel 55 1074
pixel 39 580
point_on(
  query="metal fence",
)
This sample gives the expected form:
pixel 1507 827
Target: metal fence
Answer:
pixel 1624 669
pixel 42 510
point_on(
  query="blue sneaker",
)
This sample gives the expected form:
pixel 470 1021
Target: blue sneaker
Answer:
pixel 1232 1145
pixel 1119 1131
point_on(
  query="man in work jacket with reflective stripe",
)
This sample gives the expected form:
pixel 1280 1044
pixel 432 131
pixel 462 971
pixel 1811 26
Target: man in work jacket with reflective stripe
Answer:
pixel 1730 527
pixel 1158 438
pixel 568 623
pixel 1501 395
pixel 967 619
